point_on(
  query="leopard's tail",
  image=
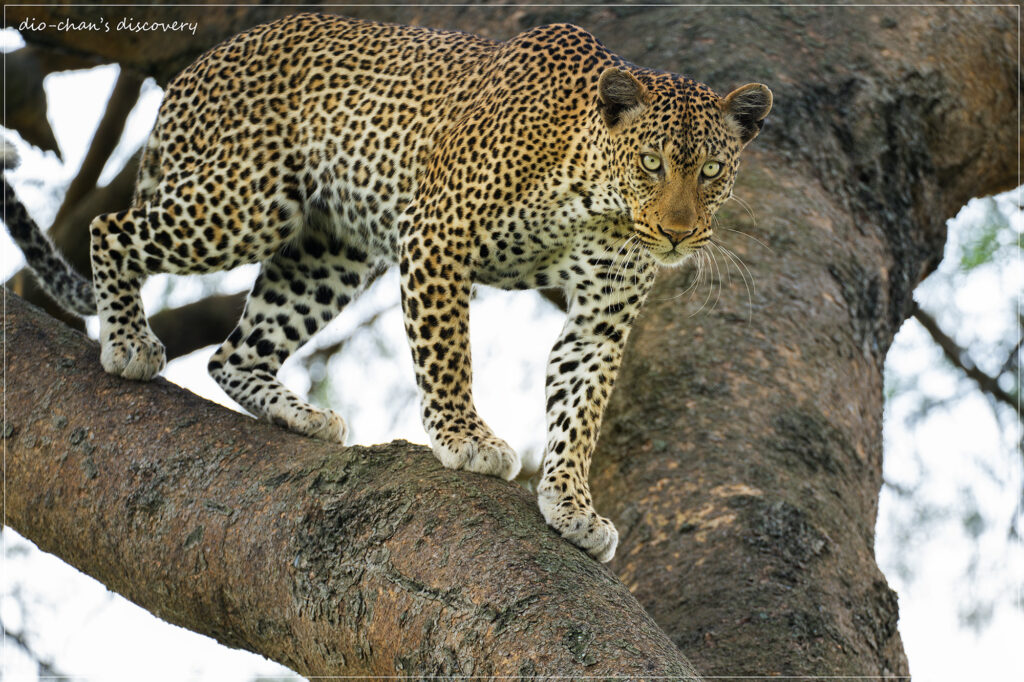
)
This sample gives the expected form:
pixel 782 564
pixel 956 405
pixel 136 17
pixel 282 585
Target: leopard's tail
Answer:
pixel 55 275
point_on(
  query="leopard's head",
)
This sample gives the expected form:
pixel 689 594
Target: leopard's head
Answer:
pixel 675 148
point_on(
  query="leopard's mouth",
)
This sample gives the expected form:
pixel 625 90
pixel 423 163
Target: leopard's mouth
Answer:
pixel 665 252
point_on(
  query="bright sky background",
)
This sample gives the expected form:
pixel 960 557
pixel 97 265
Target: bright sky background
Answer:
pixel 945 452
pixel 96 635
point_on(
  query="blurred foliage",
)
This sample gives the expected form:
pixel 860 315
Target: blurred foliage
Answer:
pixel 24 649
pixel 953 493
pixel 988 239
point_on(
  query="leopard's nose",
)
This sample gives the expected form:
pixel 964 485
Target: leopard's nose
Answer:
pixel 676 235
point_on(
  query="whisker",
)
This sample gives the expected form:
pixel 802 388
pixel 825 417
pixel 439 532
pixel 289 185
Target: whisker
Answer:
pixel 745 205
pixel 697 262
pixel 750 236
pixel 698 276
pixel 707 272
pixel 625 250
pixel 716 245
pixel 741 267
pixel 740 264
pixel 718 269
pixel 636 251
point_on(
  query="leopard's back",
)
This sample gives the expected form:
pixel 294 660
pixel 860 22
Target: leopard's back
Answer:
pixel 329 120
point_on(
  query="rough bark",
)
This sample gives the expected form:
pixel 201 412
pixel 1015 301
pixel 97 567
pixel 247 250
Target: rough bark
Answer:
pixel 330 560
pixel 741 454
pixel 108 133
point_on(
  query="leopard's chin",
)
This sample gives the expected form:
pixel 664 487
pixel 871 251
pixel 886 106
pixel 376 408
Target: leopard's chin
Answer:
pixel 673 256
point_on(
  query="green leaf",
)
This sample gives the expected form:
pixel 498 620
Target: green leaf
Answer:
pixel 985 238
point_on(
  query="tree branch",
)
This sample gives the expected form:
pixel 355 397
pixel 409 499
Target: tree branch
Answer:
pixel 160 54
pixel 24 97
pixel 962 360
pixel 44 668
pixel 1013 357
pixel 104 141
pixel 330 560
pixel 197 325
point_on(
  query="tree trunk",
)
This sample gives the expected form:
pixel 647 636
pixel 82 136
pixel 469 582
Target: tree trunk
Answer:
pixel 741 453
pixel 329 560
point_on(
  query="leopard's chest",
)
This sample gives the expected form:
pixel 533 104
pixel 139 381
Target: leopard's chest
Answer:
pixel 550 237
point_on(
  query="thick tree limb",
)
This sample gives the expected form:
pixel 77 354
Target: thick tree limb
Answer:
pixel 741 452
pixel 330 560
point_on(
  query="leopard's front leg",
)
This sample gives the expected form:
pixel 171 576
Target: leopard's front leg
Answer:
pixel 580 376
pixel 436 289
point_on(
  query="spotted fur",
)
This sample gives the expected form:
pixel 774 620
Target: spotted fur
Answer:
pixel 326 148
pixel 57 277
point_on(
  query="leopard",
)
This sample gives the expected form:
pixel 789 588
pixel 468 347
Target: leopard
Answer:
pixel 326 149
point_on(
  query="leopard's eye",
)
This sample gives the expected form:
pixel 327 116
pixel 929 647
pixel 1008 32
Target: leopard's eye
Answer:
pixel 711 169
pixel 651 162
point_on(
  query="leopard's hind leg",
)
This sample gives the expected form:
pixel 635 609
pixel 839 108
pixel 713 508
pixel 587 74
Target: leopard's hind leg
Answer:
pixel 181 226
pixel 122 255
pixel 299 290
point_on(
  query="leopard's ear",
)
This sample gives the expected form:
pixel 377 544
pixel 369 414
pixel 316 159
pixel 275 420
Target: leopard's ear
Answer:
pixel 746 108
pixel 620 97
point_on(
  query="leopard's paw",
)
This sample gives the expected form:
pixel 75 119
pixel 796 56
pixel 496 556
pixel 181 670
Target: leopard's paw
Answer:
pixel 579 524
pixel 484 455
pixel 331 428
pixel 139 357
pixel 308 421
